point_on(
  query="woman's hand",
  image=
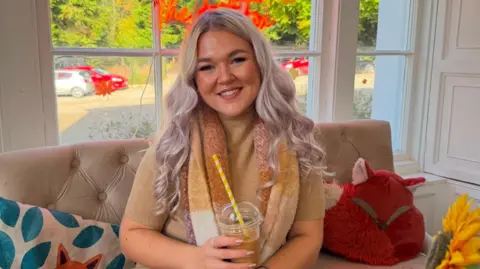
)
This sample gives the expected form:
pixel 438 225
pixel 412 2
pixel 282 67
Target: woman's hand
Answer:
pixel 214 252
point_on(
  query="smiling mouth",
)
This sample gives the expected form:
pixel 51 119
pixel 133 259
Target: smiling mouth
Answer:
pixel 228 94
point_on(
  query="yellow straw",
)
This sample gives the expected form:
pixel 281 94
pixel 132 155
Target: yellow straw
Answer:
pixel 229 192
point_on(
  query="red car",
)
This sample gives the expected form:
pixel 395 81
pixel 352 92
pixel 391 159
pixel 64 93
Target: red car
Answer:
pixel 300 64
pixel 100 77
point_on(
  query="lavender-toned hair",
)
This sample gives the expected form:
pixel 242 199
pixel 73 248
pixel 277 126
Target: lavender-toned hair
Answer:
pixel 275 104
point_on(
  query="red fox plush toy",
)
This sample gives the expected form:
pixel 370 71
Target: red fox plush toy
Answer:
pixel 373 219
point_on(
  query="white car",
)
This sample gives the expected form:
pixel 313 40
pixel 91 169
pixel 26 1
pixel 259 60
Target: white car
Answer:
pixel 76 83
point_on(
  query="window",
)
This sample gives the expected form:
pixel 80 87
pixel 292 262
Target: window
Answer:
pixel 384 63
pixel 129 48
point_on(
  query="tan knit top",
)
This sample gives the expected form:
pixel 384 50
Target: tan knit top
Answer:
pixel 244 182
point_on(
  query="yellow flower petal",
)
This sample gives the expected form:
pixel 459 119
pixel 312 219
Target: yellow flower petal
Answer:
pixel 450 220
pixel 464 212
pixel 473 217
pixel 472 246
pixel 469 232
pixel 457 258
pixel 472 259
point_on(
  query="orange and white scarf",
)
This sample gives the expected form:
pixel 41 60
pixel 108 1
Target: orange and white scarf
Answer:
pixel 203 192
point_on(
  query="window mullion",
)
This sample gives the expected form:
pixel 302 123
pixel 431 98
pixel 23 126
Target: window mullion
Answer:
pixel 384 53
pixel 316 36
pixel 103 52
pixel 338 61
pixel 157 65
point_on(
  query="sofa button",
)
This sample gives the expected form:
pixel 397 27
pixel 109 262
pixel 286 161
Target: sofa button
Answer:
pixel 124 159
pixel 102 196
pixel 51 206
pixel 75 163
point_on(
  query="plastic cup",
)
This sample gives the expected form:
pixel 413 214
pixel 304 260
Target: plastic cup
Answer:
pixel 249 232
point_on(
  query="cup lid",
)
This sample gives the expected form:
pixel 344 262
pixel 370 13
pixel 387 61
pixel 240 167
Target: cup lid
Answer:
pixel 250 214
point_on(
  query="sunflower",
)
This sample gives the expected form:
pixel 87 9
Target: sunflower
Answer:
pixel 458 245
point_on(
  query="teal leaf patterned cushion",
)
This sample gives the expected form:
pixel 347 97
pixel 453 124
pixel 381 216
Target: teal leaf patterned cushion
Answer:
pixel 116 229
pixel 7 250
pixel 36 256
pixel 32 224
pixel 88 237
pixel 32 237
pixel 118 262
pixel 9 212
pixel 65 219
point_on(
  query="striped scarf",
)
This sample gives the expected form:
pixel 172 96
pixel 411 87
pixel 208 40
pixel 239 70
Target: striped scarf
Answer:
pixel 203 193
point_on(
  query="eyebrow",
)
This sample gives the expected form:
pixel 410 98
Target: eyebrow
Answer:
pixel 231 54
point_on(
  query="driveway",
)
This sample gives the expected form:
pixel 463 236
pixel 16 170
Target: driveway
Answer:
pixel 115 116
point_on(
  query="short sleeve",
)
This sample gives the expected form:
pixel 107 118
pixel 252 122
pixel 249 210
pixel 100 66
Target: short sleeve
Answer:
pixel 311 203
pixel 141 202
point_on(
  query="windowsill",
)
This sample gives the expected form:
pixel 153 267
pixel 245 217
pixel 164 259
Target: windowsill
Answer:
pixel 431 179
pixel 403 167
pixel 410 169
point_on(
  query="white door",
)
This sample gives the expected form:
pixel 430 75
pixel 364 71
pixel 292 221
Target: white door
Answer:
pixel 453 131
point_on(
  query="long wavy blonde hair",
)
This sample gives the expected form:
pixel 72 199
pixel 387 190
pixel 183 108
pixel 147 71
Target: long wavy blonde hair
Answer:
pixel 275 104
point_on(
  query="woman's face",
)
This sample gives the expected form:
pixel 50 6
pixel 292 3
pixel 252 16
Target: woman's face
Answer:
pixel 227 74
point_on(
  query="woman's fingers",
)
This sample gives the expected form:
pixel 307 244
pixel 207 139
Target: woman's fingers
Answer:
pixel 226 254
pixel 219 249
pixel 218 264
pixel 224 241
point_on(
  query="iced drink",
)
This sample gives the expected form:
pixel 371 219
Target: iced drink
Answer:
pixel 249 232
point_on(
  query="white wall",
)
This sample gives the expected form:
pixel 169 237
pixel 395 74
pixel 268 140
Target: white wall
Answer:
pixel 22 109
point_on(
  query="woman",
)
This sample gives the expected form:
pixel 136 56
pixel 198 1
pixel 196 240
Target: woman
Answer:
pixel 231 99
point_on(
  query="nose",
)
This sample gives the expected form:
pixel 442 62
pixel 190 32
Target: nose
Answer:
pixel 225 75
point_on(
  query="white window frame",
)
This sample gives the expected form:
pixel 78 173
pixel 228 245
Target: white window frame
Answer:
pixel 32 121
pixel 337 83
pixel 313 52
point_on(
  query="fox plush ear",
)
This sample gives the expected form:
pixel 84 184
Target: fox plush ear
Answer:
pixel 361 172
pixel 62 255
pixel 94 262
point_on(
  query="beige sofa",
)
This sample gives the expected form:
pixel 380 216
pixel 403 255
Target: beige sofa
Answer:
pixel 93 179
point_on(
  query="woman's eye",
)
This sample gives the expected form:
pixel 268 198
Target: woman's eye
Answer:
pixel 239 59
pixel 205 68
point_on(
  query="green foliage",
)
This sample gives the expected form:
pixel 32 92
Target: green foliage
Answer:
pixel 367 23
pixel 101 23
pixel 79 23
pixel 292 22
pixel 128 23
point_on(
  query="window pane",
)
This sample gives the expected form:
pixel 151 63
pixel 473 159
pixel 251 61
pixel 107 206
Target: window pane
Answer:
pixel 379 91
pixel 298 68
pixel 84 114
pixel 290 28
pixel 170 70
pixel 384 25
pixel 105 24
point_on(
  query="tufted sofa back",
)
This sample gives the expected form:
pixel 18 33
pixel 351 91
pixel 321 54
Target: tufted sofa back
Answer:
pixel 93 179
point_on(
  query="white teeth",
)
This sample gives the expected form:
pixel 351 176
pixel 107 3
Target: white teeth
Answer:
pixel 229 93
